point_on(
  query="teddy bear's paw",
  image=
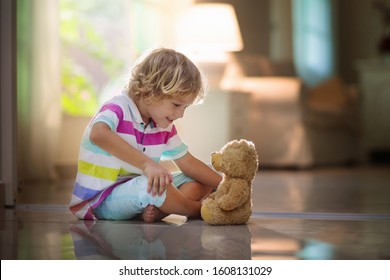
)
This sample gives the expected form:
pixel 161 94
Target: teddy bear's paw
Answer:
pixel 211 213
pixel 206 212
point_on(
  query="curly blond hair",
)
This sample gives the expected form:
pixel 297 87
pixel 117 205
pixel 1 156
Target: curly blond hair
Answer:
pixel 165 73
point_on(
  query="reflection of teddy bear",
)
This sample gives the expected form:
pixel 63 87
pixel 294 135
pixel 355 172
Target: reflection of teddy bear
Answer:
pixel 233 246
pixel 231 203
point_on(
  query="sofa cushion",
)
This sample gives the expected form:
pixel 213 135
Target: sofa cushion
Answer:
pixel 329 96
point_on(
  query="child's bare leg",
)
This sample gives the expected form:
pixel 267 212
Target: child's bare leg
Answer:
pixel 195 191
pixel 177 202
pixel 185 202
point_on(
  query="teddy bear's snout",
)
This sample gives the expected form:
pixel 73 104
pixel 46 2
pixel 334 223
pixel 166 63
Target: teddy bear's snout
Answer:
pixel 216 160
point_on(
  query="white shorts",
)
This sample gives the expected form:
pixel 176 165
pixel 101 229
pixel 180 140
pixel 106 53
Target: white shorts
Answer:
pixel 131 198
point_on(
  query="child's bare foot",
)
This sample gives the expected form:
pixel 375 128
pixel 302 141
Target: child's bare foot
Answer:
pixel 151 214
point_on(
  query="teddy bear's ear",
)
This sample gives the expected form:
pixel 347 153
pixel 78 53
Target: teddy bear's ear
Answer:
pixel 248 143
pixel 251 156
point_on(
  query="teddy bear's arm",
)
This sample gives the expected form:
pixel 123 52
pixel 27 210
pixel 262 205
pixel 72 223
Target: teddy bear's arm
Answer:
pixel 239 192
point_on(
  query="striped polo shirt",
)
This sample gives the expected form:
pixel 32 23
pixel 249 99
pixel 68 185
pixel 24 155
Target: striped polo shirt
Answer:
pixel 99 172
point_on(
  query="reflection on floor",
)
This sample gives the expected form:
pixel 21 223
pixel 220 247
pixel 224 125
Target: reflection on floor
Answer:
pixel 341 213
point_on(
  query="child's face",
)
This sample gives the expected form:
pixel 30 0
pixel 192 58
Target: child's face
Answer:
pixel 167 110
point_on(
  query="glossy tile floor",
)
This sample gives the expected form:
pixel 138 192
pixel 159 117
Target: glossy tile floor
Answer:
pixel 337 213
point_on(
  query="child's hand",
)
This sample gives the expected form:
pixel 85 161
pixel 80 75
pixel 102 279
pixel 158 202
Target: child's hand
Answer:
pixel 158 178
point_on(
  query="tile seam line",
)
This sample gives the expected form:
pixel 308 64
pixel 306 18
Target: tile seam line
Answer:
pixel 320 215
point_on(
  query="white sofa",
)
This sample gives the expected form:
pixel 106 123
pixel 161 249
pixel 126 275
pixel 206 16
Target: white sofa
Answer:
pixel 292 126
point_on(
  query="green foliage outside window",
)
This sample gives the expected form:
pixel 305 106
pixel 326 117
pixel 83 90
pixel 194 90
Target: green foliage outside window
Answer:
pixel 79 95
pixel 82 43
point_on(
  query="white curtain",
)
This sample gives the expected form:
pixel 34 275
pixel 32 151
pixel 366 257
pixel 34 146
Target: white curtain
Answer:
pixel 39 107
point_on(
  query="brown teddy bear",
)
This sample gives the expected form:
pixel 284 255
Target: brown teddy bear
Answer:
pixel 231 203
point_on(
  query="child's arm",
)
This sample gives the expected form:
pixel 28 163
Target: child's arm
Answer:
pixel 198 170
pixel 158 177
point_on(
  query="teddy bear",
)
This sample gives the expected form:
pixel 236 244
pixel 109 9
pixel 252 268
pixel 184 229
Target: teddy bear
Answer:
pixel 231 203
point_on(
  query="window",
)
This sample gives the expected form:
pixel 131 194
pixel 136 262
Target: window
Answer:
pixel 313 40
pixel 100 40
pixel 95 50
